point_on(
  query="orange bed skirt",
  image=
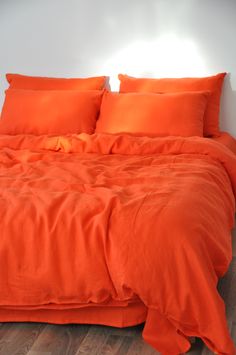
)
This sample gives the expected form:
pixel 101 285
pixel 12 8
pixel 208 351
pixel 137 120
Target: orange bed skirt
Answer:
pixel 115 316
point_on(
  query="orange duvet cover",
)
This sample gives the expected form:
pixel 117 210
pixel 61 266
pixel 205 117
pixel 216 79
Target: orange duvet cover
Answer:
pixel 91 220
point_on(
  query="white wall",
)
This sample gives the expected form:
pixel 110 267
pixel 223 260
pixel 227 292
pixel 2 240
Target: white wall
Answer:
pixel 139 37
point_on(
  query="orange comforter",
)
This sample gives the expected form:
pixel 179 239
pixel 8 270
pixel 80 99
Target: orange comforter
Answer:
pixel 90 219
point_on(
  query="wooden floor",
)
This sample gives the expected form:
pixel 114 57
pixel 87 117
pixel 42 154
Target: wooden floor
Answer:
pixel 45 339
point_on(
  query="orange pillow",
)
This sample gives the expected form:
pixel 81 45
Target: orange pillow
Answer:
pixel 167 85
pixel 25 82
pixel 50 112
pixel 178 114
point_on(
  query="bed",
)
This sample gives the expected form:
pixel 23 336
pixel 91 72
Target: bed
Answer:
pixel 118 229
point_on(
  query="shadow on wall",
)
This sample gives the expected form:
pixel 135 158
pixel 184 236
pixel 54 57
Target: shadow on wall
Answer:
pixel 228 107
pixel 64 37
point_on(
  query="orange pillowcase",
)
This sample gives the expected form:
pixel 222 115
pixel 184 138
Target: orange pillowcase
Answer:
pixel 178 114
pixel 167 85
pixel 50 112
pixel 26 82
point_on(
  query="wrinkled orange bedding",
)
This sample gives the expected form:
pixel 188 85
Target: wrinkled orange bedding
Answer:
pixel 102 218
pixel 226 139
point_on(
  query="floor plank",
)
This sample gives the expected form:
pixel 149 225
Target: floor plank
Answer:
pixel 17 338
pixel 140 347
pixel 227 290
pixel 41 339
pixel 59 340
pixel 112 345
pixel 125 346
pixel 234 241
pixel 233 331
pixel 94 341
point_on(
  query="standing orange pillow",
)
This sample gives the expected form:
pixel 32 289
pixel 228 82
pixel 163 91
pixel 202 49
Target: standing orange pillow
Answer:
pixel 18 81
pixel 50 112
pixel 176 114
pixel 167 85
